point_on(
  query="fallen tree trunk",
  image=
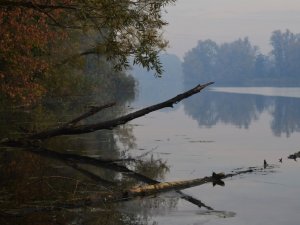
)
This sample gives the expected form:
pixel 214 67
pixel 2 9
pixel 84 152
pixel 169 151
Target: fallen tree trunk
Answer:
pixel 80 129
pixel 175 185
pixel 101 199
pixel 71 160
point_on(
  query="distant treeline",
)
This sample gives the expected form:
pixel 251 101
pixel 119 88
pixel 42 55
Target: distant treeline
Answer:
pixel 240 63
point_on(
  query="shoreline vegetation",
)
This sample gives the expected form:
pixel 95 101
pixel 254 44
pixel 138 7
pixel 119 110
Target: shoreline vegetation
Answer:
pixel 261 82
pixel 239 63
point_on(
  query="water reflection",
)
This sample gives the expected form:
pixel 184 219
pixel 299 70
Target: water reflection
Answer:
pixel 241 110
pixel 286 116
pixel 28 180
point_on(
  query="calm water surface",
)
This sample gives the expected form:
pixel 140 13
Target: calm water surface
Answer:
pixel 218 130
pixel 221 130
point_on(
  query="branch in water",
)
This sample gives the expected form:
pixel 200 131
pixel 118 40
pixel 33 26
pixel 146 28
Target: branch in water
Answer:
pixel 81 129
pixel 98 200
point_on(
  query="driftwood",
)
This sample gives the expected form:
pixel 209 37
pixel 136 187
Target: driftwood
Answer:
pixel 80 129
pixel 215 179
pixel 175 185
pixel 73 159
pixel 98 200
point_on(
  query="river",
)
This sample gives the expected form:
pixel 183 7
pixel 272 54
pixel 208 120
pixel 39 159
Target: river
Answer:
pixel 218 130
pixel 223 129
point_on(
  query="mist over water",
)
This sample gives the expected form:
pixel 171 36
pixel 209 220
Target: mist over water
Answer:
pixel 222 129
pixel 227 20
pixel 234 125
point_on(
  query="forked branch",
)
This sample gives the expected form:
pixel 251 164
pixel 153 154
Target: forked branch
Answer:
pixel 81 129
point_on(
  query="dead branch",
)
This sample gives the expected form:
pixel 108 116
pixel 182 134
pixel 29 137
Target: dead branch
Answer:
pixel 81 129
pixel 215 179
pixel 97 200
pixel 73 159
pixel 69 129
pixel 175 185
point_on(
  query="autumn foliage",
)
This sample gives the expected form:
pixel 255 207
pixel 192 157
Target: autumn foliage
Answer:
pixel 25 41
pixel 31 32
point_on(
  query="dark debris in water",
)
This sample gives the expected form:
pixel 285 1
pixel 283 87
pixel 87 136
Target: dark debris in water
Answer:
pixel 294 156
pixel 258 170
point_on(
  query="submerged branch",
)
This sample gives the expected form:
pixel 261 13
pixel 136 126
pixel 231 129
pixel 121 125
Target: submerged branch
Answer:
pixel 113 165
pixel 98 200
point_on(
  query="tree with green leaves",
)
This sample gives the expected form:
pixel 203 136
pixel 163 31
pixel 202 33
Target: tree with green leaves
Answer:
pixel 200 62
pixel 118 30
pixel 236 60
pixel 286 48
pixel 226 63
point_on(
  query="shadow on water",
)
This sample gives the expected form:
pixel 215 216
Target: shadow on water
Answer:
pixel 29 180
pixel 241 110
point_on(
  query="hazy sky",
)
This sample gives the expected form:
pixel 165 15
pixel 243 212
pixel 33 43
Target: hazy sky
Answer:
pixel 227 20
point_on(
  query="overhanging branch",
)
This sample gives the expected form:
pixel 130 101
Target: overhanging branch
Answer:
pixel 81 129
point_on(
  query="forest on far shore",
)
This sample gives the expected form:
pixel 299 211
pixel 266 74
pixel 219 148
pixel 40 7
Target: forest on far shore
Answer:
pixel 241 63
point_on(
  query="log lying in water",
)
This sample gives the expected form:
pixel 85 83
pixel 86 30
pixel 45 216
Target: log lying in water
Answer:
pixel 99 200
pixel 215 179
pixel 72 159
pixel 175 185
